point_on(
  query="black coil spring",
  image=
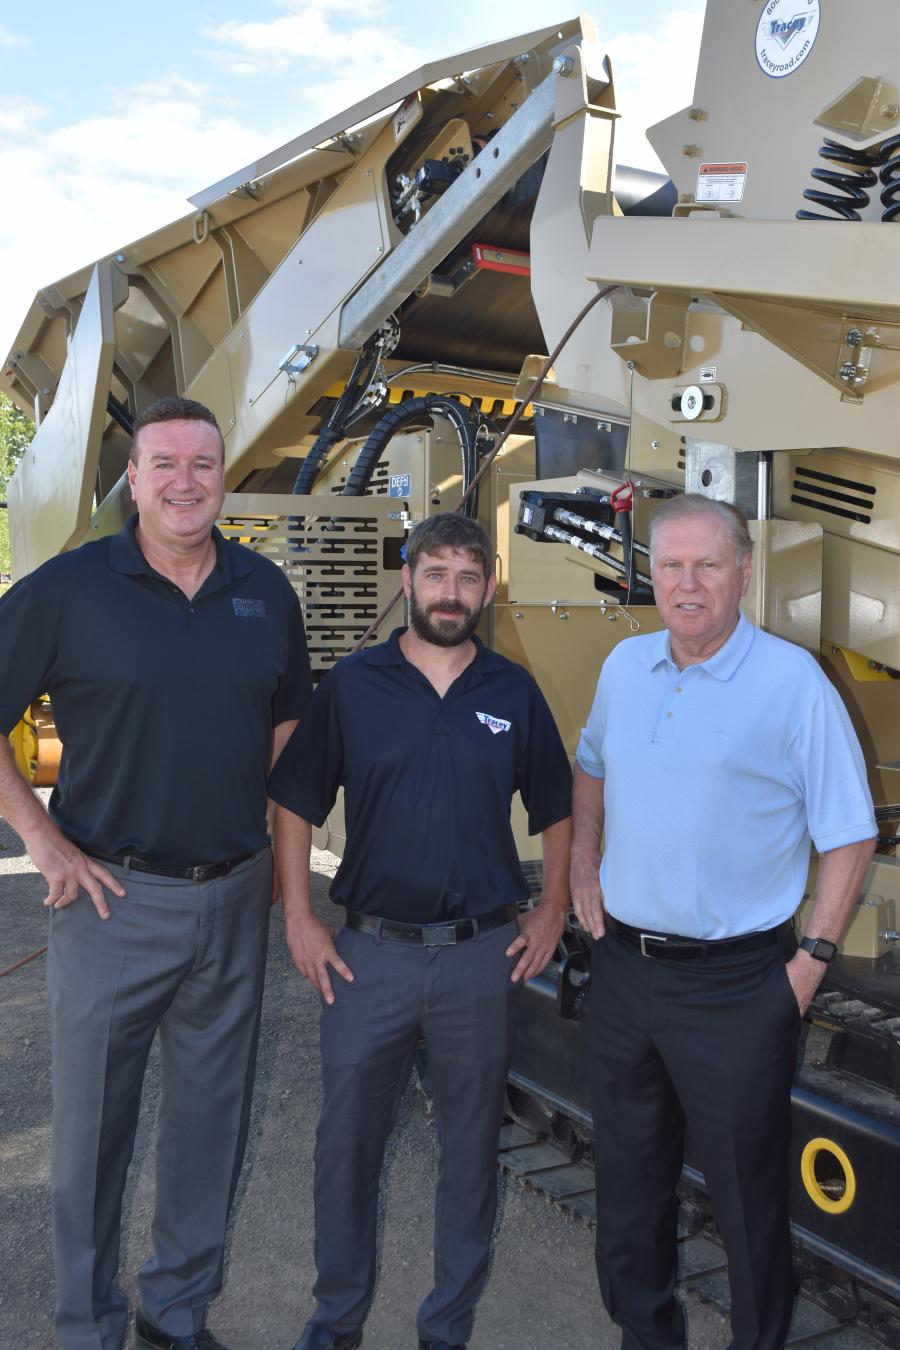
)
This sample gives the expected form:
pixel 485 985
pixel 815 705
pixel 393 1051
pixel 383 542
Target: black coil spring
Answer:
pixel 889 158
pixel 860 174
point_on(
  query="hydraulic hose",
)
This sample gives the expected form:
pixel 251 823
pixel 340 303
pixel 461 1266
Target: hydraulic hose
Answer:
pixel 488 460
pixel 309 469
pixel 334 430
pixel 415 410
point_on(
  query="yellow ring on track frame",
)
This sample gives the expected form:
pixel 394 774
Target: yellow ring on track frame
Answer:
pixel 812 1184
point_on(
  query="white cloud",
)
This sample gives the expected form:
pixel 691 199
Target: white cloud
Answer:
pixel 654 78
pixel 79 191
pixel 333 37
pixel 18 116
pixel 8 39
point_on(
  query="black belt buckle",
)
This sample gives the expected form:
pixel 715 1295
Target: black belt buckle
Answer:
pixel 209 871
pixel 439 935
pixel 650 937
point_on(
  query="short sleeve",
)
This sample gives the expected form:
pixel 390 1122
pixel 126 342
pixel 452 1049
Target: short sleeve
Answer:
pixel 832 772
pixel 543 774
pixel 27 649
pixel 295 688
pixel 310 768
pixel 589 755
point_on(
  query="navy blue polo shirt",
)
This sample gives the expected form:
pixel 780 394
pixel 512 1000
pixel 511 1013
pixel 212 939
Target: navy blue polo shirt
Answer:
pixel 428 781
pixel 164 706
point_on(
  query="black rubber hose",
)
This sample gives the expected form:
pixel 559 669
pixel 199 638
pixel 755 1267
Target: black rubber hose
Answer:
pixel 334 430
pixel 309 469
pixel 413 410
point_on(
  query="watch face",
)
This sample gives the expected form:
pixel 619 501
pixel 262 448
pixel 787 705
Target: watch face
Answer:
pixel 820 948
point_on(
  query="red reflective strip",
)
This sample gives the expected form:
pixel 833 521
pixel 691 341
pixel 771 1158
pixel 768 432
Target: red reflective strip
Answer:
pixel 485 256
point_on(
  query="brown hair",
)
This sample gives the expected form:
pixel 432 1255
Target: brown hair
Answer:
pixel 173 409
pixel 450 530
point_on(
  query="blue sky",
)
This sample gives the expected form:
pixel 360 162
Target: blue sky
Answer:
pixel 112 115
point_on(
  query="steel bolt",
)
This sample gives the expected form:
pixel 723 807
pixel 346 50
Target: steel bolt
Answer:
pixel 690 151
pixel 563 65
pixel 890 112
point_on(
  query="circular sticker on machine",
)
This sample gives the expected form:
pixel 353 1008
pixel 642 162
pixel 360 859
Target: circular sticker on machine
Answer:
pixel 785 35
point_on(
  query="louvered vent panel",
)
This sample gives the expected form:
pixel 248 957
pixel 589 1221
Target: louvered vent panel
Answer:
pixel 344 566
pixel 844 497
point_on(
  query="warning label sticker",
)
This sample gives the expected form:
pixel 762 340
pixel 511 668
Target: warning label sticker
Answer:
pixel 407 115
pixel 721 182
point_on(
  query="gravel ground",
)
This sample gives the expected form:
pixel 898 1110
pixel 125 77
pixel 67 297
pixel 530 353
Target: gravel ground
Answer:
pixel 542 1293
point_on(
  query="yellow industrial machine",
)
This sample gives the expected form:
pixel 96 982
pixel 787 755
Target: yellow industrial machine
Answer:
pixel 364 311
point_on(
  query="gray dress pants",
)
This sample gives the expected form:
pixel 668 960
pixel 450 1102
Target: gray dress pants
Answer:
pixel 462 1000
pixel 187 960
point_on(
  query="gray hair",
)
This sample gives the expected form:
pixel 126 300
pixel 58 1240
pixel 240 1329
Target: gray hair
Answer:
pixel 692 505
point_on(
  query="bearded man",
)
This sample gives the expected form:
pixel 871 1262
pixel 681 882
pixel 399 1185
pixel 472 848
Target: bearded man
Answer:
pixel 429 734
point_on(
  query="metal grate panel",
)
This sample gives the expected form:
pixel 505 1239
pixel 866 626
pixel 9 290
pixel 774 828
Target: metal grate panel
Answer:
pixel 342 560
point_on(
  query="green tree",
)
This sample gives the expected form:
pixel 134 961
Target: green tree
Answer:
pixel 16 432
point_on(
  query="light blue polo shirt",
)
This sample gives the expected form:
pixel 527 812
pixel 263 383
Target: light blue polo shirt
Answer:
pixel 716 778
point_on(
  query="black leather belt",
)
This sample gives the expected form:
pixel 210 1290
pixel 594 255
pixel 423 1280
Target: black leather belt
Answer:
pixel 672 947
pixel 198 872
pixel 431 934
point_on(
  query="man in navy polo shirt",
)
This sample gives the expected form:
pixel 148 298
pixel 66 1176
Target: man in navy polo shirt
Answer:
pixel 730 750
pixel 177 669
pixel 430 735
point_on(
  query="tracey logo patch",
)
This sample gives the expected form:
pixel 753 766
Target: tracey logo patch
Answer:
pixel 495 723
pixel 249 609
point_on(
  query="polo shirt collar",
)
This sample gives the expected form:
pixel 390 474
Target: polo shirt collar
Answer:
pixel 722 664
pixel 125 555
pixel 389 654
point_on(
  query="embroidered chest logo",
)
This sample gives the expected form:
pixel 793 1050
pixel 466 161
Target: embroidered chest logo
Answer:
pixel 494 723
pixel 249 609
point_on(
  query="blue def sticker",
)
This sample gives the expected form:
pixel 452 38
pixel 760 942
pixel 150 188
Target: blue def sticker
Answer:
pixel 398 485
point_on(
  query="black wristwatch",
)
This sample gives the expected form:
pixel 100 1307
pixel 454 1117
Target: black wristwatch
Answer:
pixel 819 948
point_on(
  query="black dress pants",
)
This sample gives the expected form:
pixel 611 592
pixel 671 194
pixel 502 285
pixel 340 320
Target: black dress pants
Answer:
pixel 709 1044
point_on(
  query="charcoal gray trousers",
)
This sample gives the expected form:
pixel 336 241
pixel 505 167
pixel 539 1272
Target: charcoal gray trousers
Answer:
pixel 461 999
pixel 187 960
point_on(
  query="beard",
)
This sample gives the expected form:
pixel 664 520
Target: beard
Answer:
pixel 443 632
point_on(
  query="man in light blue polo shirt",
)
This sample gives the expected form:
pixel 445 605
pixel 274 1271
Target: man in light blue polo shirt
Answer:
pixel 713 753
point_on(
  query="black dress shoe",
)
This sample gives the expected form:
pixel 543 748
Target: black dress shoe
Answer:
pixel 317 1337
pixel 149 1337
pixel 439 1345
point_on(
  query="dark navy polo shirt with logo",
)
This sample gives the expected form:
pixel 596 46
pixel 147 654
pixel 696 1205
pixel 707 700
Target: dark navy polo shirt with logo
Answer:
pixel 428 781
pixel 165 706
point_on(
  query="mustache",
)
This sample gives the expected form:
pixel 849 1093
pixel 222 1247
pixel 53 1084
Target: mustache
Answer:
pixel 448 607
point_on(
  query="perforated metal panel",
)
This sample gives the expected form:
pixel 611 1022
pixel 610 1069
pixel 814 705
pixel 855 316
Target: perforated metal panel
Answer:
pixel 342 559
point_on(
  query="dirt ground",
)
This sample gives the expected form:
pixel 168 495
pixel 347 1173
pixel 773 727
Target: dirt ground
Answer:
pixel 542 1293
